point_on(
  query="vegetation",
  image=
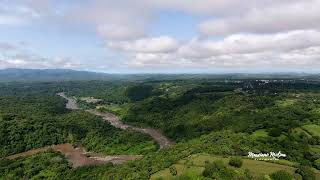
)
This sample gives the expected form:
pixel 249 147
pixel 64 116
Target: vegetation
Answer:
pixel 281 175
pixel 217 170
pixel 195 164
pixel 41 166
pixel 313 129
pixel 317 163
pixel 35 118
pixel 173 171
pixel 139 92
pixel 306 173
pixel 215 123
pixel 235 162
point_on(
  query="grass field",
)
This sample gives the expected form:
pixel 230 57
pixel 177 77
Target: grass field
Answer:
pixel 195 164
pixel 119 110
pixel 181 169
pixel 259 133
pixel 316 111
pixel 286 103
pixel 312 129
pixel 297 131
pixel 315 149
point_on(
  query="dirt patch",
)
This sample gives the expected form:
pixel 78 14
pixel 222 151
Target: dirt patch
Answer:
pixel 71 103
pixel 77 156
pixel 111 118
pixel 162 140
pixel 90 100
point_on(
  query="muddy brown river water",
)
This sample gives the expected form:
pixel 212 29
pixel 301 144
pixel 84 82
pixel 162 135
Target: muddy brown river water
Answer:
pixel 115 121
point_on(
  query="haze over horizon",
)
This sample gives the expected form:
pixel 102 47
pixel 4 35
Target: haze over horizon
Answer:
pixel 161 36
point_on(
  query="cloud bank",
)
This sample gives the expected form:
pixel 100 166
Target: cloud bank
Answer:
pixel 259 34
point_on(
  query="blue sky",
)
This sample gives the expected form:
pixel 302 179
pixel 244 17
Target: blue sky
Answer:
pixel 180 25
pixel 161 36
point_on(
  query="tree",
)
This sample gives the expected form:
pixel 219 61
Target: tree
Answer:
pixel 236 162
pixel 281 175
pixel 139 92
pixel 317 163
pixel 306 173
pixel 217 170
pixel 275 132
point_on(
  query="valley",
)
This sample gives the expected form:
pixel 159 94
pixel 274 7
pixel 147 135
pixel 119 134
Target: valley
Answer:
pixel 168 129
pixel 163 141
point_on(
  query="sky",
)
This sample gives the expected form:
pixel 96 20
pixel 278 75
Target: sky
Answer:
pixel 161 36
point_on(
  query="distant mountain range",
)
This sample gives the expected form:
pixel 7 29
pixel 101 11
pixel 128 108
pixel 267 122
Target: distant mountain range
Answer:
pixel 8 75
pixel 46 75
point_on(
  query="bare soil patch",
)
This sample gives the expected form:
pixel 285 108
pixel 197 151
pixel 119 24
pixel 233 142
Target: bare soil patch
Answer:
pixel 78 156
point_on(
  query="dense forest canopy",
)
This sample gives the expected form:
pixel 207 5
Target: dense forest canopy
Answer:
pixel 211 118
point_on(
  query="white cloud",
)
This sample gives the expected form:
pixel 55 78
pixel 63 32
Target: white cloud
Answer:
pixel 253 43
pixel 7 47
pixel 263 61
pixel 17 62
pixel 125 19
pixel 116 20
pixel 26 12
pixel 236 34
pixel 28 61
pixel 294 49
pixel 119 32
pixel 162 44
pixel 215 8
pixel 18 56
pixel 267 19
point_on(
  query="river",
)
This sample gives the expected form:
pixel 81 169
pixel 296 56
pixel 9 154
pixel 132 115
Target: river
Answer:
pixel 115 121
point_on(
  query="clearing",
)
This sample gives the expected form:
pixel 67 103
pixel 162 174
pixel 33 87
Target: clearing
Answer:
pixel 195 164
pixel 78 156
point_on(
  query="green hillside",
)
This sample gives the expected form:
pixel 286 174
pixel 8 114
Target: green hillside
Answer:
pixel 210 120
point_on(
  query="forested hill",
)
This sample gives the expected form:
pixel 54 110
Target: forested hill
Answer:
pixel 7 75
pixel 47 75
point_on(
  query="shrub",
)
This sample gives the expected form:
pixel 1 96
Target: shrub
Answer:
pixel 306 173
pixel 274 132
pixel 317 163
pixel 173 171
pixel 247 175
pixel 281 175
pixel 236 162
pixel 217 170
